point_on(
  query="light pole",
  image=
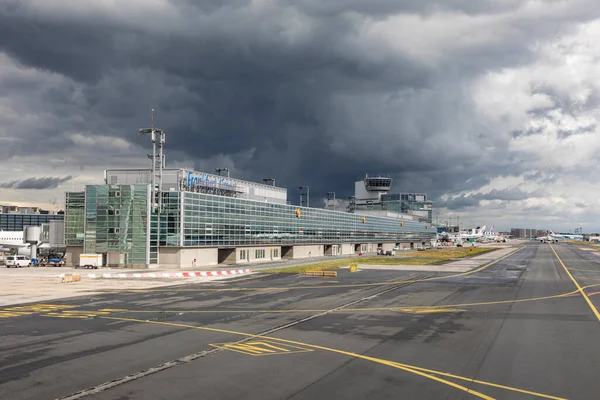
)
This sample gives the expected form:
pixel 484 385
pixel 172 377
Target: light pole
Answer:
pixel 219 170
pixel 158 140
pixel 307 194
pixel 351 203
pixel 272 180
pixel 328 194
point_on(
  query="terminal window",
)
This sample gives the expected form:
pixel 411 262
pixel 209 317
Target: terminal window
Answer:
pixel 259 253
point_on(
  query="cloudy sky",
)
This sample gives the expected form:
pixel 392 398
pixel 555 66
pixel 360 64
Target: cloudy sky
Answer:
pixel 490 106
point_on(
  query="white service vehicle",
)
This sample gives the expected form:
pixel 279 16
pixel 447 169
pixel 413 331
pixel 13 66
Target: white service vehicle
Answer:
pixel 92 261
pixel 17 261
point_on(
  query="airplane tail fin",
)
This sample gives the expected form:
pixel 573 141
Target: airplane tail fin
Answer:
pixel 492 229
pixel 482 231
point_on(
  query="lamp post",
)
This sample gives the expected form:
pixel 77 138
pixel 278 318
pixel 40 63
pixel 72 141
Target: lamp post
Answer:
pixel 328 198
pixel 158 140
pixel 307 194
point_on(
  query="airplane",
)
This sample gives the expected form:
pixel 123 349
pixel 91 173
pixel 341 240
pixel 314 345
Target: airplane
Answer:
pixel 555 237
pixel 495 237
pixel 12 242
pixel 476 233
pixel 561 236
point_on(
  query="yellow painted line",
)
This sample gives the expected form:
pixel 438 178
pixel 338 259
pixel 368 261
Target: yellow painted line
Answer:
pixel 556 296
pixel 587 299
pixel 585 270
pixel 545 396
pixel 269 345
pixel 411 309
pixel 405 367
pixel 325 286
pixel 408 310
pixel 261 348
pixel 243 347
pixel 589 286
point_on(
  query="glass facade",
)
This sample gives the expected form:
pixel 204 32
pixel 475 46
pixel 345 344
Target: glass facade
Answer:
pixel 116 220
pixel 16 222
pixel 74 218
pixel 409 203
pixel 222 221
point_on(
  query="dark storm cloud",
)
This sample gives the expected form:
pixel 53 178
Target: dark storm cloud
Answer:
pixel 35 183
pixel 508 195
pixel 295 83
pixel 460 202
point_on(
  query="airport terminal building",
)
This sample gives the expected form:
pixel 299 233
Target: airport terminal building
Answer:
pixel 205 219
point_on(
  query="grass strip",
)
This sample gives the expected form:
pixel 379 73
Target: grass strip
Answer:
pixel 411 258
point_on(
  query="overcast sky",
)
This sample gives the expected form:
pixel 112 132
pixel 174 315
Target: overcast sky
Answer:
pixel 490 106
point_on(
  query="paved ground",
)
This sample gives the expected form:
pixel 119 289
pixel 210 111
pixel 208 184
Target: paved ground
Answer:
pixel 19 285
pixel 516 329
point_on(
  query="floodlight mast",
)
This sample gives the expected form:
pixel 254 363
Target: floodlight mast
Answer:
pixel 158 140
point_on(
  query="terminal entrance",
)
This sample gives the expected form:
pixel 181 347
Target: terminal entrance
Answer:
pixel 332 250
pixel 226 256
pixel 287 252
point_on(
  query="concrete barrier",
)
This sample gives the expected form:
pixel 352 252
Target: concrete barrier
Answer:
pixel 71 278
pixel 331 274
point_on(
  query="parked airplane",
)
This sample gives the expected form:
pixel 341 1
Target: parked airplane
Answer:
pixel 12 242
pixel 476 233
pixel 555 237
pixel 495 237
pixel 561 236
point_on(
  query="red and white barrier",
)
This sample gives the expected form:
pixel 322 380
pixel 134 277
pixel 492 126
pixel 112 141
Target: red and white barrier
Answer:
pixel 186 274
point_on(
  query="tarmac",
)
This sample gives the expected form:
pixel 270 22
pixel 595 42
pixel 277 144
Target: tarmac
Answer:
pixel 519 327
pixel 24 285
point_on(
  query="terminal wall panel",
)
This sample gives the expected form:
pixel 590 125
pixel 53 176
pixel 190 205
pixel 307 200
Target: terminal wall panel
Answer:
pixel 169 257
pixel 72 255
pixel 202 256
pixel 347 249
pixel 309 251
pixel 388 246
pixel 258 254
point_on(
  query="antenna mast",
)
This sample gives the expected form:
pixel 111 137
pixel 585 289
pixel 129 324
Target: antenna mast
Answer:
pixel 158 140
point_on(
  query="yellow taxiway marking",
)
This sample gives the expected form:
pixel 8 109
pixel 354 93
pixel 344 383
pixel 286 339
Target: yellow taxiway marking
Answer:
pixel 407 309
pixel 579 288
pixel 325 286
pixel 404 309
pixel 50 310
pixel 68 312
pixel 427 373
pixel 18 311
pixel 585 270
pixel 262 348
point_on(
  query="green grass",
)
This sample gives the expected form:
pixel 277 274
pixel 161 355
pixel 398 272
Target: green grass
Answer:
pixel 414 258
pixel 320 266
pixel 457 252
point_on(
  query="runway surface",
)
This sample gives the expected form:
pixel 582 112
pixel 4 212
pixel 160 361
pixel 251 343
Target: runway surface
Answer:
pixel 525 326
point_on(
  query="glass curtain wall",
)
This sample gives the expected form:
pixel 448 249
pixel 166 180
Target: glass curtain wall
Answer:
pixel 116 220
pixel 170 221
pixel 222 221
pixel 74 218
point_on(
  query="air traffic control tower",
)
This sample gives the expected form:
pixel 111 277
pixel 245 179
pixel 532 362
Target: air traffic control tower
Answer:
pixel 369 190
